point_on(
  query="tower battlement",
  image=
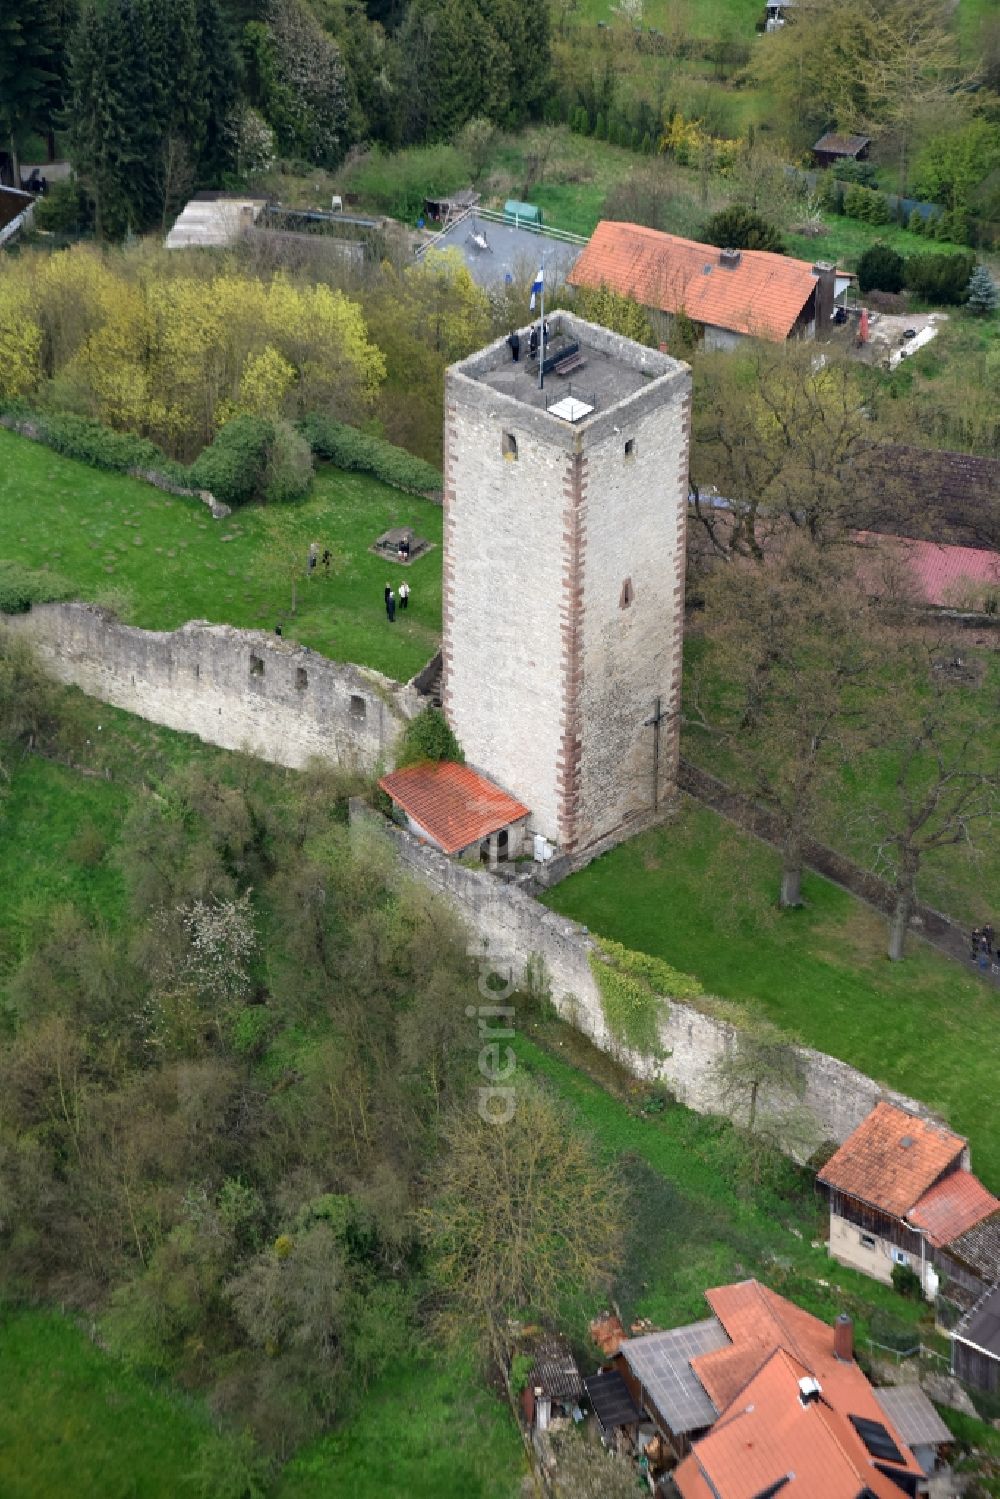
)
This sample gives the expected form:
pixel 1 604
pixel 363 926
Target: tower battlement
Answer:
pixel 565 512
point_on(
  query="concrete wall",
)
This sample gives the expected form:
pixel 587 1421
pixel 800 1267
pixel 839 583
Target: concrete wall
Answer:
pixel 847 1248
pixel 241 689
pixel 547 680
pixel 508 928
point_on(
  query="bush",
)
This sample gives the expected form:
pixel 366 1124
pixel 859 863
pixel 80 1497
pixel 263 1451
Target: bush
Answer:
pixel 20 587
pixel 906 1281
pixel 346 447
pixel 740 228
pixel 881 268
pixel 91 442
pixel 428 737
pixel 940 278
pixel 916 222
pixel 234 467
pixel 864 173
pixel 289 466
pixel 65 209
pixel 399 183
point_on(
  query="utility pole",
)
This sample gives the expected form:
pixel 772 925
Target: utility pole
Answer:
pixel 654 722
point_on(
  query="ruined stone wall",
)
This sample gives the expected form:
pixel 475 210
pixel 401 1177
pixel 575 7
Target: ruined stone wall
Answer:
pixel 241 689
pixel 508 928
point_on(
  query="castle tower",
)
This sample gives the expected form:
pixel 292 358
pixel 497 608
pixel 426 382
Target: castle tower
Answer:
pixel 564 533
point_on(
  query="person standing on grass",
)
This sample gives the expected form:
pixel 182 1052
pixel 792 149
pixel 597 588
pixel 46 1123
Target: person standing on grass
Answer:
pixel 390 606
pixel 404 595
pixel 388 590
pixel 974 939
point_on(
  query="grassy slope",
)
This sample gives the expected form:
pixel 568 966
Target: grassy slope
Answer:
pixel 104 531
pixel 700 894
pixel 426 1430
pixel 72 1421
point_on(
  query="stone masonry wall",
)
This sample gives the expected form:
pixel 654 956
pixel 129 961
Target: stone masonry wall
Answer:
pixel 241 689
pixel 508 927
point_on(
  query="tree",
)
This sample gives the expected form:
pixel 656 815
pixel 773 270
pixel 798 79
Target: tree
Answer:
pixel 26 70
pixel 105 136
pixel 762 1081
pixel 982 296
pixel 944 790
pixel 521 1216
pixel 785 441
pixel 741 228
pixel 792 644
pixel 940 278
pixel 612 309
pixel 881 268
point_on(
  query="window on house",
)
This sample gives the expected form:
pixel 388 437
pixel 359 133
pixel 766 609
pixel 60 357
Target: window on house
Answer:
pixel 301 678
pixel 358 708
pixel 627 594
pixel 508 447
pixel 256 665
pixel 629 448
pixel 867 1241
pixel 900 1257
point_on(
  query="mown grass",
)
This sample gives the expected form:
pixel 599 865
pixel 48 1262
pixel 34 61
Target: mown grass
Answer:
pixel 846 240
pixel 107 533
pixel 700 894
pixel 428 1429
pixel 73 1421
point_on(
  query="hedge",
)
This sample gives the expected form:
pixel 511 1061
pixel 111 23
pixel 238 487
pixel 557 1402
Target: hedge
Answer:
pixel 91 442
pixel 20 587
pixel 346 447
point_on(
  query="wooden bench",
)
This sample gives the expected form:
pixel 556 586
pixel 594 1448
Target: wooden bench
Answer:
pixel 571 362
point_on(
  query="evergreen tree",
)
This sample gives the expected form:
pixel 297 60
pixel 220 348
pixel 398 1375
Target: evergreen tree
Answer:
pixel 983 296
pixel 27 76
pixel 103 123
pixel 219 78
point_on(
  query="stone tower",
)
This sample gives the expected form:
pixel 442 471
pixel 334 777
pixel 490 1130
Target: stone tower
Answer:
pixel 564 532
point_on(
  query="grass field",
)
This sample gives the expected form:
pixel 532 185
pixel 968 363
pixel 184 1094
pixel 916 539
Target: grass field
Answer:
pixel 74 1422
pixel 105 532
pixel 701 895
pixel 428 1430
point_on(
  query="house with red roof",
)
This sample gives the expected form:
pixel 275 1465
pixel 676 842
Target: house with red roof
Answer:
pixel 762 1398
pixel 457 810
pixel 730 294
pixel 901 1193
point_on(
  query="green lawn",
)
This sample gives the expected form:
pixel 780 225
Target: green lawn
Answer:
pixel 700 894
pixel 847 239
pixel 104 532
pixel 74 1422
pixel 427 1431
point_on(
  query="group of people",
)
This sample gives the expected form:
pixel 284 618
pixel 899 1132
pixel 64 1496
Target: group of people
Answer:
pixel 534 338
pixel 314 558
pixel 984 952
pixel 390 599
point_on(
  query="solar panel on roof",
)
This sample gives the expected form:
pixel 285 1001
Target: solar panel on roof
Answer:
pixel 877 1439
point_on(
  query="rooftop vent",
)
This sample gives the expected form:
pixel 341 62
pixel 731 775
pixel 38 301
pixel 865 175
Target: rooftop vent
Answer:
pixel 906 1141
pixel 730 259
pixel 809 1390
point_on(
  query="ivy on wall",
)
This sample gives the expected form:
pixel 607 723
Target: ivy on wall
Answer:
pixel 633 988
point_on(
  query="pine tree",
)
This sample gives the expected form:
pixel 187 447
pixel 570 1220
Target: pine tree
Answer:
pixel 103 124
pixel 983 298
pixel 219 74
pixel 27 74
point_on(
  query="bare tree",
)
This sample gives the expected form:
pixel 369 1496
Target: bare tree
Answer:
pixel 791 642
pixel 945 786
pixel 761 1082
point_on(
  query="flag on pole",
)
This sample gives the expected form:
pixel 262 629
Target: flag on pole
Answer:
pixel 537 287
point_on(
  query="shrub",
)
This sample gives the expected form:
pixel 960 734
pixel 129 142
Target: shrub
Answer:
pixel 65 209
pixel 234 467
pixel 289 466
pixel 20 587
pixel 346 447
pixel 741 228
pixel 940 278
pixel 881 268
pixel 982 295
pixel 864 173
pixel 428 737
pixel 916 223
pixel 91 442
pixel 906 1281
pixel 399 183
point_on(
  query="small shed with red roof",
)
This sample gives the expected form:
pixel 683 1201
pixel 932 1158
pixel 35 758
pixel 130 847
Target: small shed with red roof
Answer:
pixel 457 810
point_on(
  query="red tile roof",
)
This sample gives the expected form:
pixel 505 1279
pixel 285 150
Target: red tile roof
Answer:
pixel 454 805
pixel 763 295
pixel 952 1207
pixel 940 573
pixel 892 1159
pixel 767 1434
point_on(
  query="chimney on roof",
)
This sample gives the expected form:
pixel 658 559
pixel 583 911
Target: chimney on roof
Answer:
pixel 730 259
pixel 809 1390
pixel 826 292
pixel 843 1339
